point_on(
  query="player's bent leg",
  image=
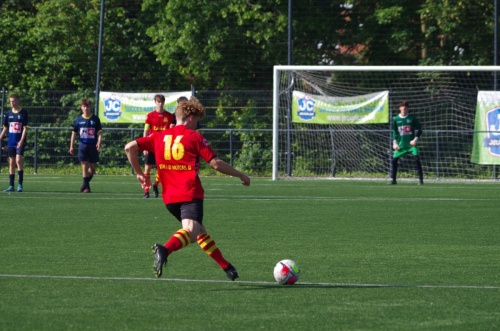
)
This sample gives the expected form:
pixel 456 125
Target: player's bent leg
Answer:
pixel 209 246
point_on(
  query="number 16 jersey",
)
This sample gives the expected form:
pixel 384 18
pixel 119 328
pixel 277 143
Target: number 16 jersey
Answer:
pixel 178 151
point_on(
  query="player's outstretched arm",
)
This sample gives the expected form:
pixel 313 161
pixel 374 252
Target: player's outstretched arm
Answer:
pixel 226 169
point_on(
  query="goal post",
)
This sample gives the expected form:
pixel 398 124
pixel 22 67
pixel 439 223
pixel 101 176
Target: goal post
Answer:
pixel 328 122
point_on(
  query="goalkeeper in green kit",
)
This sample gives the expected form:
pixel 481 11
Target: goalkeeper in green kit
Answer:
pixel 406 130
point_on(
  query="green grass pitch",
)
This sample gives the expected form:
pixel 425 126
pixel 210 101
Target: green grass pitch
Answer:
pixel 373 256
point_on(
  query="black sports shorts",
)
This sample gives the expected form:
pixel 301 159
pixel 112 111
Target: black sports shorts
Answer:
pixel 187 210
pixel 88 153
pixel 150 159
pixel 13 151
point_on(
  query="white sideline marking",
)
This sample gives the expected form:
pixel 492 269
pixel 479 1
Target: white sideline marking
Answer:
pixel 252 282
pixel 135 196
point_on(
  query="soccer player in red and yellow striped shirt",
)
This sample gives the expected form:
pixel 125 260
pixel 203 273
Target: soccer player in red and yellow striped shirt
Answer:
pixel 178 151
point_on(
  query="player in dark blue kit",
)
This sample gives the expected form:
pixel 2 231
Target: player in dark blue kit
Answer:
pixel 15 123
pixel 88 127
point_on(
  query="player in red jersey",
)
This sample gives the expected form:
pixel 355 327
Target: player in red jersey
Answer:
pixel 178 151
pixel 157 177
pixel 157 120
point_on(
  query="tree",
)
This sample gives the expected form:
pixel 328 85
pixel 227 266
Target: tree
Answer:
pixel 423 32
pixel 234 44
pixel 228 44
pixel 16 19
pixel 388 31
pixel 217 44
pixel 458 32
pixel 53 44
pixel 65 33
pixel 128 63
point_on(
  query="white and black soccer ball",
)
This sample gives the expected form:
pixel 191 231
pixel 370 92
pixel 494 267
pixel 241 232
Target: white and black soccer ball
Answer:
pixel 286 272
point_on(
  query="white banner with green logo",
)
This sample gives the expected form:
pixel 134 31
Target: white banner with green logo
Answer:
pixel 486 145
pixel 116 107
pixel 362 109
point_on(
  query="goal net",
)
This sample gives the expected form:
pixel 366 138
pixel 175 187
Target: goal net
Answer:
pixel 335 121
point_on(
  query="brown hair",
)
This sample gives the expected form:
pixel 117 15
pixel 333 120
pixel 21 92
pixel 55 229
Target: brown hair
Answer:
pixel 404 104
pixel 85 102
pixel 182 99
pixel 14 96
pixel 161 97
pixel 190 108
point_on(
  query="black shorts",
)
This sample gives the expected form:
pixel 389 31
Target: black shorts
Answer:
pixel 149 159
pixel 13 151
pixel 187 210
pixel 88 153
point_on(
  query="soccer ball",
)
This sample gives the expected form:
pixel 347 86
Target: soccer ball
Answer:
pixel 286 272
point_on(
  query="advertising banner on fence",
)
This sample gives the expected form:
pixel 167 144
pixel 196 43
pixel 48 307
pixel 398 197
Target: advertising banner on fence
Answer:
pixel 362 109
pixel 116 107
pixel 486 145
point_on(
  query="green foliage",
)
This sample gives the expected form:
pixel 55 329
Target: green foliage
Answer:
pixel 54 45
pixel 254 147
pixel 389 32
pixel 157 45
pixel 255 157
pixel 458 32
pixel 56 59
pixel 15 43
pixel 199 39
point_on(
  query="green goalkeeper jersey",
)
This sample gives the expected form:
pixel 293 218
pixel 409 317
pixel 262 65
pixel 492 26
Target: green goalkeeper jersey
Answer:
pixel 405 129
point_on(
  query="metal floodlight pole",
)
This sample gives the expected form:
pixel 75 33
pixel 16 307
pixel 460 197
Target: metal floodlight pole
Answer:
pixel 99 56
pixel 495 44
pixel 290 47
pixel 495 60
pixel 289 110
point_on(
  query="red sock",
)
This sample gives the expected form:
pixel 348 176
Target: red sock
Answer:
pixel 210 247
pixel 157 180
pixel 179 239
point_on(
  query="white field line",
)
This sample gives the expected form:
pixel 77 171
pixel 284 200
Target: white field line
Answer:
pixel 135 196
pixel 322 284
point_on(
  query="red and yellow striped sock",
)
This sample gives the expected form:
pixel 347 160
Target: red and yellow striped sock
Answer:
pixel 157 180
pixel 210 247
pixel 179 239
